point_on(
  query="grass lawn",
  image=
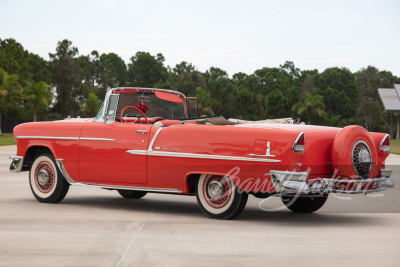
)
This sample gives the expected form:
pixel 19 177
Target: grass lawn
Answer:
pixel 7 139
pixel 395 146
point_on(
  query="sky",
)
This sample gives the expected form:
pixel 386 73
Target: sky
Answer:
pixel 236 36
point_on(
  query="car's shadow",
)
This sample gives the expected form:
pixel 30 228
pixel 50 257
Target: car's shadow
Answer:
pixel 190 208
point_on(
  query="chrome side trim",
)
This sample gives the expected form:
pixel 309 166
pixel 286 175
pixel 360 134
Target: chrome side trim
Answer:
pixel 64 138
pixel 47 137
pixel 267 154
pixel 16 164
pixel 96 139
pixel 195 156
pixel 147 189
pixel 257 155
pixel 137 152
pixel 155 138
pixel 206 156
pixel 64 171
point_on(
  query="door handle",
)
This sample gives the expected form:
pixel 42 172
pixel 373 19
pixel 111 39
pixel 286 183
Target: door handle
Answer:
pixel 141 131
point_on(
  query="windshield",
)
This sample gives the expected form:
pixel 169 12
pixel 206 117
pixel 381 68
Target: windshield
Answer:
pixel 156 107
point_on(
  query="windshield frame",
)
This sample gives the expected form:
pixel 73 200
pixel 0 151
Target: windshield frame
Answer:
pixel 118 90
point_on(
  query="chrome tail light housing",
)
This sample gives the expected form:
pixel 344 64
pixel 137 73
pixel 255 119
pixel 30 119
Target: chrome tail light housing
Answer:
pixel 298 145
pixel 384 146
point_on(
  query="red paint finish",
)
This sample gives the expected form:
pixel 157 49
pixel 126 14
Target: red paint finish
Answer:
pixel 260 147
pixel 62 149
pixel 108 161
pixel 343 147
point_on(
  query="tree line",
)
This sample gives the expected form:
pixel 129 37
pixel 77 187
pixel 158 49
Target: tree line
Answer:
pixel 32 88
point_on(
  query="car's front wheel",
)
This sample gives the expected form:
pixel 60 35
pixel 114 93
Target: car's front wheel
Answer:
pixel 304 204
pixel 132 194
pixel 219 197
pixel 47 183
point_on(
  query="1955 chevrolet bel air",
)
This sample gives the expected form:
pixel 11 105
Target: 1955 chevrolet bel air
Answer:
pixel 152 140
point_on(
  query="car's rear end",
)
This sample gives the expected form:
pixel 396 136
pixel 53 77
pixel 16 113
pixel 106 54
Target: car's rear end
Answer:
pixel 348 160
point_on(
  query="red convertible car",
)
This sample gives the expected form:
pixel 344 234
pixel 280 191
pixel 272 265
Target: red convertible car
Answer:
pixel 152 140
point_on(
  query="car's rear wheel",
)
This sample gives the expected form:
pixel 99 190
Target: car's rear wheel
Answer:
pixel 47 183
pixel 219 197
pixel 132 194
pixel 304 204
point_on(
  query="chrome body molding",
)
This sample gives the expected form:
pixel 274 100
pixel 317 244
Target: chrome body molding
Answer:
pixel 137 152
pixel 64 172
pixel 95 139
pixel 116 187
pixel 136 188
pixel 267 154
pixel 155 138
pixel 287 183
pixel 16 164
pixel 48 137
pixel 206 156
pixel 151 152
pixel 64 138
pixel 257 155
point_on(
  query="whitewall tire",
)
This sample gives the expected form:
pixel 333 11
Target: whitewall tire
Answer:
pixel 219 197
pixel 47 183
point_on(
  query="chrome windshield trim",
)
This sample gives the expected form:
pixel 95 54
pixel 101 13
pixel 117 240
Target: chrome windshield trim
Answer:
pixel 112 91
pixel 16 164
pixel 48 137
pixel 206 156
pixel 137 152
pixel 96 139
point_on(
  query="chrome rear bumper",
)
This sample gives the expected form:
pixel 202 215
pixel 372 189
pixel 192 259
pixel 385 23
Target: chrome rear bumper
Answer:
pixel 16 164
pixel 286 182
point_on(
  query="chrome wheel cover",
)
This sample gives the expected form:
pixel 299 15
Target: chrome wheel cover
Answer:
pixel 44 177
pixel 217 190
pixel 361 158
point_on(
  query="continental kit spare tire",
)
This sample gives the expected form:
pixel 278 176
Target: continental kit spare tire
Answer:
pixel 354 154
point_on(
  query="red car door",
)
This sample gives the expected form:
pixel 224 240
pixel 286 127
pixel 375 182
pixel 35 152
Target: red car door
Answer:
pixel 103 156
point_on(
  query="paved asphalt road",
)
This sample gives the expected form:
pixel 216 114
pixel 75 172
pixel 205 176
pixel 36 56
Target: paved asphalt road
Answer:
pixel 99 228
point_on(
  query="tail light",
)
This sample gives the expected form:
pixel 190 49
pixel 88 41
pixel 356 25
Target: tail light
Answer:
pixel 384 147
pixel 298 145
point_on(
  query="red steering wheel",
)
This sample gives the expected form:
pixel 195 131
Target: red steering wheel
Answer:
pixel 122 112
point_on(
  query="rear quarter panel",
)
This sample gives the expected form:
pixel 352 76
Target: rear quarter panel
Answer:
pixel 220 141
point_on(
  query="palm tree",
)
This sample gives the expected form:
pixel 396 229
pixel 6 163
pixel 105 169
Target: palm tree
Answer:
pixel 7 82
pixel 312 105
pixel 39 94
pixel 204 102
pixel 92 104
